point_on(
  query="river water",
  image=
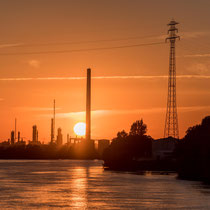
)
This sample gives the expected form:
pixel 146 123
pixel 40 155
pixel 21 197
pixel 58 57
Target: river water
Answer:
pixel 80 184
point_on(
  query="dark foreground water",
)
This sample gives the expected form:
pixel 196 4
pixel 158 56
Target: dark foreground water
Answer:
pixel 74 184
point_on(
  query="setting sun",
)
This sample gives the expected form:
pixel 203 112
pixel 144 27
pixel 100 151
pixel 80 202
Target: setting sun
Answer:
pixel 80 128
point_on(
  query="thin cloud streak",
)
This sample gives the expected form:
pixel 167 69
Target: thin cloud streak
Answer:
pixel 195 34
pixel 159 37
pixel 35 108
pixel 129 111
pixel 197 55
pixel 10 45
pixel 187 35
pixel 105 77
pixel 34 63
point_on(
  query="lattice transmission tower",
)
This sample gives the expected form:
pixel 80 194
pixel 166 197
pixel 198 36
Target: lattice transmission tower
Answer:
pixel 171 121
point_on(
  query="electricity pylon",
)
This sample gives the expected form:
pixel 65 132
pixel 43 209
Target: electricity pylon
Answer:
pixel 171 121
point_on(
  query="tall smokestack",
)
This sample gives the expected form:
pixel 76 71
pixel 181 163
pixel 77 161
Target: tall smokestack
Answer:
pixel 15 129
pixel 52 130
pixel 18 136
pixel 53 124
pixel 88 106
pixel 54 120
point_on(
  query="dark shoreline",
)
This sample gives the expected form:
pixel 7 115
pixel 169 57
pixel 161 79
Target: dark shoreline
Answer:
pixel 142 165
pixel 161 167
pixel 135 168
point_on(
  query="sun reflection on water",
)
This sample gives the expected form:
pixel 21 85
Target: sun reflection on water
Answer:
pixel 68 184
pixel 78 185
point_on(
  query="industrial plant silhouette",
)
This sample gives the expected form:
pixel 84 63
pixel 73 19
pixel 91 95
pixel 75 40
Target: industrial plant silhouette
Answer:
pixel 171 122
pixel 128 151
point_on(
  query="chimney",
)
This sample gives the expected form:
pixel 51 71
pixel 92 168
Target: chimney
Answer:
pixel 88 106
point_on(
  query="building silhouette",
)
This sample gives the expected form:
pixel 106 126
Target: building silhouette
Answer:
pixel 68 139
pixel 12 137
pixel 102 145
pixel 59 140
pixel 34 134
pixel 164 148
pixel 18 136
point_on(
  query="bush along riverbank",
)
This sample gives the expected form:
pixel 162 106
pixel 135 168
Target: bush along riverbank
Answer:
pixel 189 157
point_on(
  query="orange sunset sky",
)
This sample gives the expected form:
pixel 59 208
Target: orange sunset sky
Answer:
pixel 30 82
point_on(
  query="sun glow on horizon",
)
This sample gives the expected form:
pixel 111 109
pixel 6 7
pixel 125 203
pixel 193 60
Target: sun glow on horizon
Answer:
pixel 80 129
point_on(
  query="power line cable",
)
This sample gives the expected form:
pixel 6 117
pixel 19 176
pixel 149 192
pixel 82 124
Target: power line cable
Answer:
pixel 81 50
pixel 87 42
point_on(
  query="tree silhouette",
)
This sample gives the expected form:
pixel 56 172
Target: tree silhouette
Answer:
pixel 193 152
pixel 138 128
pixel 122 134
pixel 125 148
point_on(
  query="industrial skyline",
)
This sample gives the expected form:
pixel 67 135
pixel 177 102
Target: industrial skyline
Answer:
pixel 59 139
pixel 171 121
pixel 125 48
pixel 105 104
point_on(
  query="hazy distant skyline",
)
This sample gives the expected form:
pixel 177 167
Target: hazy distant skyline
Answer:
pixel 128 84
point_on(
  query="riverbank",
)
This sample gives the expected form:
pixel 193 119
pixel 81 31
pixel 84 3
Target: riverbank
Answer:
pixel 141 165
pixel 160 166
